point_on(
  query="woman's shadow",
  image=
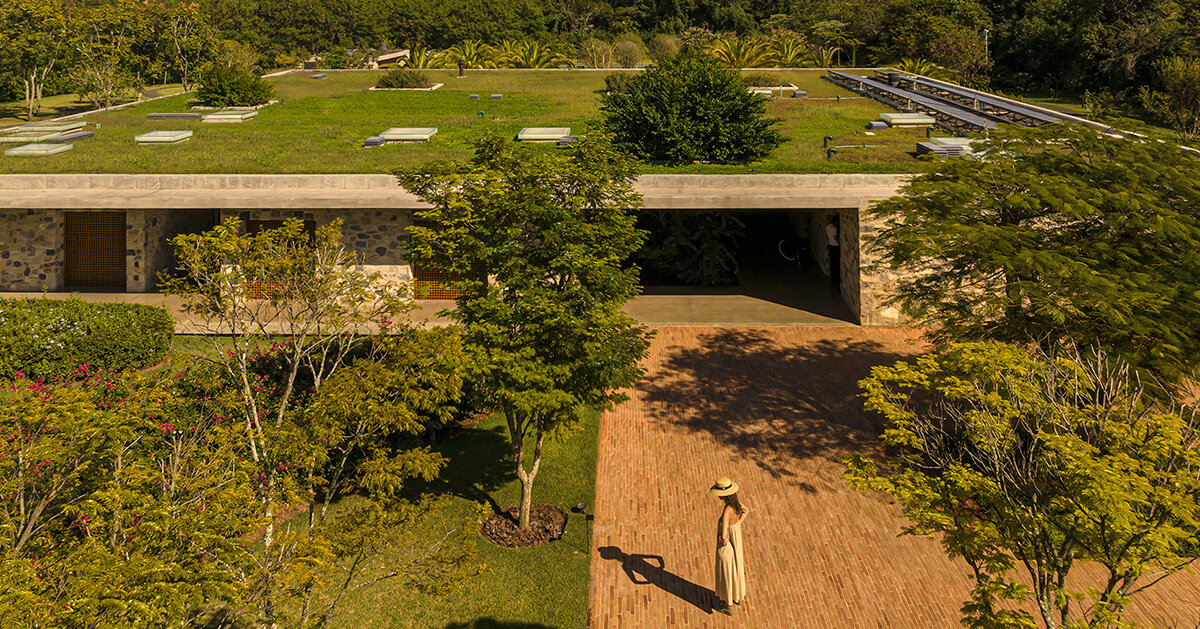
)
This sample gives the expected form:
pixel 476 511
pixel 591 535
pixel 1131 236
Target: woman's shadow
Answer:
pixel 650 570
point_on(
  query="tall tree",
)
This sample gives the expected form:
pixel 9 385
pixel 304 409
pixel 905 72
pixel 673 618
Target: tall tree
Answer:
pixel 1041 463
pixel 691 109
pixel 192 40
pixel 35 40
pixel 1056 234
pixel 539 240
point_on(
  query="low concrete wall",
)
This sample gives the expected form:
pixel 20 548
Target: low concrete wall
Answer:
pixel 371 192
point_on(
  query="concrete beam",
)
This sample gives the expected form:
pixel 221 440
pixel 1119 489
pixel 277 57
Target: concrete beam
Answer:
pixel 316 192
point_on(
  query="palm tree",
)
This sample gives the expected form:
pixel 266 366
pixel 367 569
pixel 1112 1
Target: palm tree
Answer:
pixel 823 55
pixel 925 67
pixel 474 54
pixel 790 52
pixel 843 39
pixel 425 59
pixel 741 53
pixel 531 54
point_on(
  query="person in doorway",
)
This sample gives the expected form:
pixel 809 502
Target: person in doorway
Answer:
pixel 832 234
pixel 731 563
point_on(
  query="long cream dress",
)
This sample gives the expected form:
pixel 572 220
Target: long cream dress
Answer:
pixel 731 566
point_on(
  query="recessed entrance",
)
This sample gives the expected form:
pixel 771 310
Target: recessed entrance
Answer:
pixel 774 276
pixel 94 250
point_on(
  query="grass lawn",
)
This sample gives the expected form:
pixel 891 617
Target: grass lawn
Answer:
pixel 13 112
pixel 528 588
pixel 319 126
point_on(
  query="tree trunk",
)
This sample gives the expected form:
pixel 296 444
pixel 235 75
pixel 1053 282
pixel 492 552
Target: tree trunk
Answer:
pixel 525 476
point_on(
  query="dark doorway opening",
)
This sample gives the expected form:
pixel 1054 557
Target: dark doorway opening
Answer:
pixel 776 280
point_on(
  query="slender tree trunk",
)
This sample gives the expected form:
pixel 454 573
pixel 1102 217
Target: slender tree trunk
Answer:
pixel 517 435
pixel 527 483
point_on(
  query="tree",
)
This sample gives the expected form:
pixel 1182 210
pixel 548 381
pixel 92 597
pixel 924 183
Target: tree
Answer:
pixel 192 39
pixel 539 239
pixel 244 287
pixel 690 109
pixel 594 53
pixel 228 86
pixel 324 408
pixel 1040 462
pixel 35 36
pixel 1056 234
pixel 737 52
pixel 105 38
pixel 1178 103
pixel 124 502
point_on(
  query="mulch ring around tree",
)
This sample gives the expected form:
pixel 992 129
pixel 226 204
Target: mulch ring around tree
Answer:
pixel 546 524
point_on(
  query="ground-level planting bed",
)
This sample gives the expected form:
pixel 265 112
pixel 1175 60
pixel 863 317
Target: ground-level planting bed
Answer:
pixel 319 127
pixel 541 586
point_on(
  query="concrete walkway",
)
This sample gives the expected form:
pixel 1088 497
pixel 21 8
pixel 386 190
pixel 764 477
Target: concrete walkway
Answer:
pixel 776 410
pixel 716 307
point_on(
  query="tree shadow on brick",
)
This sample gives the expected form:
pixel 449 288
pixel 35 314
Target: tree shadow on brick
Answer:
pixel 776 403
pixel 651 570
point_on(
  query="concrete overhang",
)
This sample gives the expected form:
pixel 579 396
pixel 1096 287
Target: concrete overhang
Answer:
pixel 321 192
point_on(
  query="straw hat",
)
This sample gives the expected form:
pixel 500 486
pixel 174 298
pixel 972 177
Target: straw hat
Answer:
pixel 723 487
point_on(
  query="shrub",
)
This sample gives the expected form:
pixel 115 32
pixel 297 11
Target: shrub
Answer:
pixel 664 48
pixel 403 78
pixel 691 248
pixel 763 79
pixel 225 86
pixel 688 110
pixel 628 51
pixel 618 81
pixel 51 338
pixel 593 53
pixel 1178 104
pixel 339 58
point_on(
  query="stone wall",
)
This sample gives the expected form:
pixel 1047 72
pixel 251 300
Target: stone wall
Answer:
pixel 378 237
pixel 850 236
pixel 31 250
pixel 875 285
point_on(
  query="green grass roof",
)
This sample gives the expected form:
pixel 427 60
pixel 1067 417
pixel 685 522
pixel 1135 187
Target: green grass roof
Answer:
pixel 319 127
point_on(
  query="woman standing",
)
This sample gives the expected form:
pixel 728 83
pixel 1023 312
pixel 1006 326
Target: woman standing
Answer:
pixel 731 565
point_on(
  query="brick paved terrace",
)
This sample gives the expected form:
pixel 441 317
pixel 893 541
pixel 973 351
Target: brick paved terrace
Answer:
pixel 775 409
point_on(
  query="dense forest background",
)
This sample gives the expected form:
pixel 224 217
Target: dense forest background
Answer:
pixel 1053 45
pixel 1106 49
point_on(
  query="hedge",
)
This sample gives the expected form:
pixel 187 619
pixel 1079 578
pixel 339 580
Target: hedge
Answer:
pixel 51 338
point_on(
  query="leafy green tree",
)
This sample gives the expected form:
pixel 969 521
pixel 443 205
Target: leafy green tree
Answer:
pixel 323 409
pixel 1058 234
pixel 692 248
pixel 1042 463
pixel 123 502
pixel 540 239
pixel 35 36
pixel 192 39
pixel 1178 103
pixel 226 86
pixel 243 287
pixel 690 109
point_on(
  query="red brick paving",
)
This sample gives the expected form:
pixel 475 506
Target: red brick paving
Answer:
pixel 775 409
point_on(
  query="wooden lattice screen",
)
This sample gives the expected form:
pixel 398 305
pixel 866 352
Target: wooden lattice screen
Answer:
pixel 430 283
pixel 94 249
pixel 264 290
